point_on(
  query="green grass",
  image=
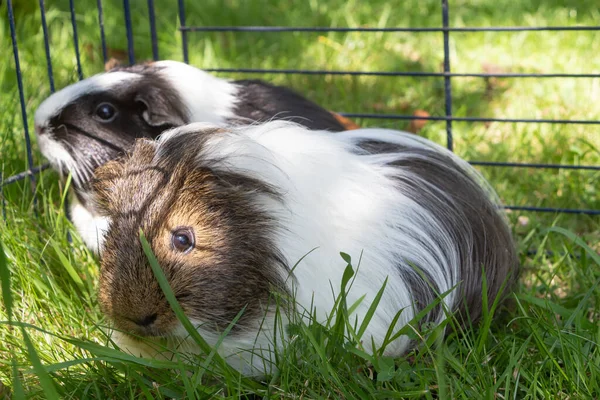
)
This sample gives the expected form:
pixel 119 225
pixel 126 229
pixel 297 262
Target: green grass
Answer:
pixel 542 344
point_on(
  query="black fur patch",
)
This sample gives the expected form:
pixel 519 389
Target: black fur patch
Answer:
pixel 261 101
pixel 378 147
pixel 466 213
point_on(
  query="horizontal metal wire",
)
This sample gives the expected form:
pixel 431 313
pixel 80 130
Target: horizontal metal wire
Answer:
pixel 395 29
pixel 22 175
pixel 554 210
pixel 549 253
pixel 470 119
pixel 534 165
pixel 398 73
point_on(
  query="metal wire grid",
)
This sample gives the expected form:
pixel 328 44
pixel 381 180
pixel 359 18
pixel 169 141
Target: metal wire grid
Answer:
pixel 185 30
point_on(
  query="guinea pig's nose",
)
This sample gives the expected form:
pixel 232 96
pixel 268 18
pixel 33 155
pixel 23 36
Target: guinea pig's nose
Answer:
pixel 147 320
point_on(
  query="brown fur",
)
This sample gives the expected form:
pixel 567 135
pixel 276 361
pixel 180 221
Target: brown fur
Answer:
pixel 221 275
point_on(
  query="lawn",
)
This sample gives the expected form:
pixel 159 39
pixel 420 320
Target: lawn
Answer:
pixel 541 344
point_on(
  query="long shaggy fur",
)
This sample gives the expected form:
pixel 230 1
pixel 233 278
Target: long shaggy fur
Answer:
pixel 411 211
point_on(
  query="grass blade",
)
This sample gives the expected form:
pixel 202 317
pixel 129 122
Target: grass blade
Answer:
pixel 45 379
pixel 579 241
pixel 170 296
pixel 64 261
pixel 213 353
pixel 166 288
pixel 18 392
pixel 371 310
pixel 5 279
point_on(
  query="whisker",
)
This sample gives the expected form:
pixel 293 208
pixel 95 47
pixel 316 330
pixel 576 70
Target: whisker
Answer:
pixel 96 138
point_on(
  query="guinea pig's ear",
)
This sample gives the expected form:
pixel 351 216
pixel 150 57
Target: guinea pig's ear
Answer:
pixel 107 177
pixel 103 183
pixel 160 106
pixel 111 64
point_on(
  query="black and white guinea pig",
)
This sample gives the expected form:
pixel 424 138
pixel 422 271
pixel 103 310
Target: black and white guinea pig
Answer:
pixel 229 211
pixel 90 122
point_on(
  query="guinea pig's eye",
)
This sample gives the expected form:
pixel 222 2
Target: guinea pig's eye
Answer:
pixel 182 239
pixel 106 112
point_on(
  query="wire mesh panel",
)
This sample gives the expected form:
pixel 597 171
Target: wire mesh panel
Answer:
pixel 446 75
pixel 19 77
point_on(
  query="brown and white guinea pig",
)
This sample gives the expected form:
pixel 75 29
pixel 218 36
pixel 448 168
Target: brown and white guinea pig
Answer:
pixel 90 122
pixel 230 211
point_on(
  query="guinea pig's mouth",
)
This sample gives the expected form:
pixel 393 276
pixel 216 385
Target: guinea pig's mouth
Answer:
pixel 151 334
pixel 63 162
pixel 137 331
pixel 174 329
pixel 58 155
pixel 65 157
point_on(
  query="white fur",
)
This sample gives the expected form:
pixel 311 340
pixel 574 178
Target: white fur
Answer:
pixel 91 226
pixel 59 157
pixel 207 97
pixel 54 104
pixel 335 200
pixel 253 353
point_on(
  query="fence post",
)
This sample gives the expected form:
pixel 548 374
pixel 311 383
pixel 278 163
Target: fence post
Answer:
pixel 129 28
pixel 184 42
pixel 447 78
pixel 13 34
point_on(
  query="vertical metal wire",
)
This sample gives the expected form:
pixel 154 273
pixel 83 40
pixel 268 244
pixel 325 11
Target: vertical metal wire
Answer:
pixel 2 198
pixel 47 45
pixel 184 42
pixel 129 28
pixel 75 39
pixel 13 35
pixel 447 78
pixel 52 90
pixel 152 19
pixel 102 36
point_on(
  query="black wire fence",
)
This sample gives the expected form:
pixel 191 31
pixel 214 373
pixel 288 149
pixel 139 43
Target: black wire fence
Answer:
pixel 186 31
